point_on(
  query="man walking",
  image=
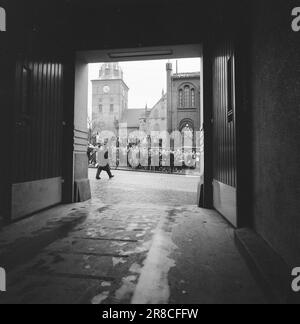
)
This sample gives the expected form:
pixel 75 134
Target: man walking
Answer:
pixel 102 162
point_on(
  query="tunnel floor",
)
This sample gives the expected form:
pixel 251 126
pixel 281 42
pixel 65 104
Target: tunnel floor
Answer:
pixel 140 239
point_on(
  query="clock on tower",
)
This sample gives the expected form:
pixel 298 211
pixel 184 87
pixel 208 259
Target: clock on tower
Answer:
pixel 106 89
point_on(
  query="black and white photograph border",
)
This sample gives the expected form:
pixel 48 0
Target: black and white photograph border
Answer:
pixel 150 154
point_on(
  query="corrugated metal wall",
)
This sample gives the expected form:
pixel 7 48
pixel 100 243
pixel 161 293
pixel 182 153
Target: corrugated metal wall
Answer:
pixel 38 121
pixel 224 122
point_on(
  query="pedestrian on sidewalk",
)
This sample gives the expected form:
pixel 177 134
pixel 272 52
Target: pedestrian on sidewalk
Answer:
pixel 103 162
pixel 172 160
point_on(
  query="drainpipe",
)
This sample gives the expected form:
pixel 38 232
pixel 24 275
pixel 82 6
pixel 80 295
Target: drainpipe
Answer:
pixel 169 97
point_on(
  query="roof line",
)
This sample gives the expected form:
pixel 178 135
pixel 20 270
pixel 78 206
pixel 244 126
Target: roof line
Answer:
pixel 118 79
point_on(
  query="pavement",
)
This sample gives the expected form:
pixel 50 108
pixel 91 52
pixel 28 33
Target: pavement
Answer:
pixel 184 172
pixel 140 239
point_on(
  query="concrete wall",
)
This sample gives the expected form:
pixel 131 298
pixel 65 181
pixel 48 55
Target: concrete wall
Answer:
pixel 275 92
pixel 30 197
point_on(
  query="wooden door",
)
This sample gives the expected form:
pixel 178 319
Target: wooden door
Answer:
pixel 224 133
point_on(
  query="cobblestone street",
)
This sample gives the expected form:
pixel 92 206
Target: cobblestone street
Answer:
pixel 129 187
pixel 141 239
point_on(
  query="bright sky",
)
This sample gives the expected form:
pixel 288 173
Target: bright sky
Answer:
pixel 145 79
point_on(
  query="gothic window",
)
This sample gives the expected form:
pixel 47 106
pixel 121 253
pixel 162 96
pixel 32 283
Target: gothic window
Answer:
pixel 100 108
pixel 193 97
pixel 111 108
pixel 187 131
pixel 186 96
pixel 180 98
pixel 186 126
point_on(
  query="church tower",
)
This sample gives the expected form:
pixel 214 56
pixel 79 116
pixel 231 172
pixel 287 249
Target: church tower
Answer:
pixel 110 98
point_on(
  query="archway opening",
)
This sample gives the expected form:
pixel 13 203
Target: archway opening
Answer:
pixel 135 112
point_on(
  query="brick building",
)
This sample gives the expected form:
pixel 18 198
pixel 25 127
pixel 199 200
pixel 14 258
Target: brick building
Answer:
pixel 179 108
pixel 183 100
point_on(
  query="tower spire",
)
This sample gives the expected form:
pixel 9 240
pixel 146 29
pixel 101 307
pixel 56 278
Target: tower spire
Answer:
pixel 110 71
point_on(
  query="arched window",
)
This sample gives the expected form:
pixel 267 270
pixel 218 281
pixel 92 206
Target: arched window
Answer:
pixel 180 98
pixel 193 98
pixel 186 96
pixel 186 129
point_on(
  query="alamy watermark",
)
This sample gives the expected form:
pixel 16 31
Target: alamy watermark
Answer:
pixel 2 20
pixel 296 280
pixel 154 149
pixel 2 280
pixel 296 19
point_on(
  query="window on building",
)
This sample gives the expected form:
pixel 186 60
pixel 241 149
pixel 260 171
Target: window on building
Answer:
pixel 111 109
pixel 180 98
pixel 107 70
pixel 188 128
pixel 193 98
pixel 186 96
pixel 187 132
pixel 100 108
